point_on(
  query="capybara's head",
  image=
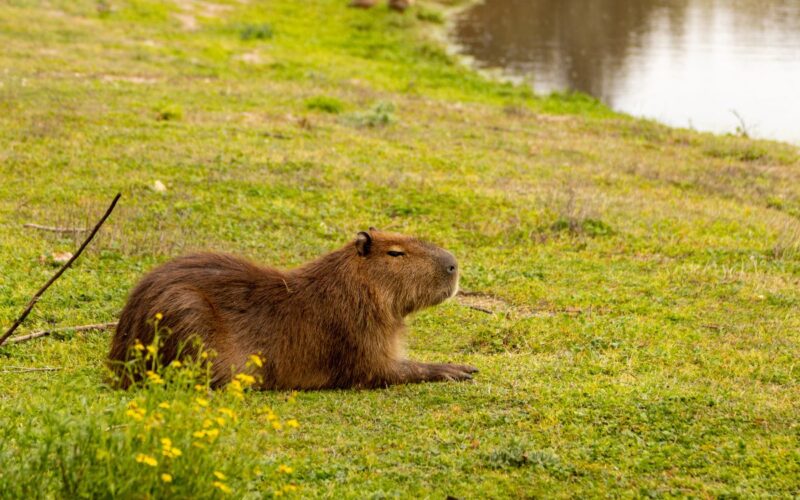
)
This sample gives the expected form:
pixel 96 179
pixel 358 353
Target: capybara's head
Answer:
pixel 410 273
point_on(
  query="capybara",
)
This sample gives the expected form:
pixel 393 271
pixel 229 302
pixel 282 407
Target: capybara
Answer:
pixel 335 322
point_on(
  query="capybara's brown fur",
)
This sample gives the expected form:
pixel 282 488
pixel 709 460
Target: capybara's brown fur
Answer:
pixel 336 322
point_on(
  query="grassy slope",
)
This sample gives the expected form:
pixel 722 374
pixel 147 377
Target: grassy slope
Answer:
pixel 645 279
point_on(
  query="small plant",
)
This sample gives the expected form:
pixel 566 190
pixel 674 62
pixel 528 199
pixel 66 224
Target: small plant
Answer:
pixel 577 218
pixel 325 104
pixel 380 115
pixel 169 112
pixel 261 31
pixel 515 455
pixel 430 16
pixel 171 436
pixel 788 243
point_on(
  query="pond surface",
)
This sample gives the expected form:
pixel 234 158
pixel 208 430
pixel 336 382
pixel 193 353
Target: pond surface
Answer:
pixel 707 64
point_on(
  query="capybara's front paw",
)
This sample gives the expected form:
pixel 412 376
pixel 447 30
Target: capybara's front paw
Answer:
pixel 444 372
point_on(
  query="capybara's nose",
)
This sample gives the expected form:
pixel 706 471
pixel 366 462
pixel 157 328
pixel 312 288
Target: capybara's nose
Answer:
pixel 450 263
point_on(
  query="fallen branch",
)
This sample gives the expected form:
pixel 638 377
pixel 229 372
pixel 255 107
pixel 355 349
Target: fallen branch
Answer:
pixel 45 333
pixel 481 309
pixel 66 265
pixel 17 369
pixel 53 229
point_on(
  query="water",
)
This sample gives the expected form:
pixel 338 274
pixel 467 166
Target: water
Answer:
pixel 707 64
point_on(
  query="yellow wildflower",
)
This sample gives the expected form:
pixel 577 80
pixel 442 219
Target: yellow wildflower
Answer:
pixel 236 389
pixel 168 450
pixel 167 478
pixel 164 405
pixel 228 412
pixel 207 423
pixel 176 364
pixel 246 380
pixel 159 316
pixel 152 376
pixel 256 359
pixel 146 459
pixel 138 346
pixel 151 349
pixel 134 411
pixel 220 421
pixel 199 388
pixel 201 402
pixel 220 475
pixel 221 486
pixel 199 434
pixel 135 414
pixel 277 425
pixel 212 434
pixel 290 487
pixel 293 423
pixel 285 469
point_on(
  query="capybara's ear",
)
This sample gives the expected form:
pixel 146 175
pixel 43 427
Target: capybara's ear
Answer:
pixel 363 242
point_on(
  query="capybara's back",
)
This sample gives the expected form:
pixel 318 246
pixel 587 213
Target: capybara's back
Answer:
pixel 193 297
pixel 334 322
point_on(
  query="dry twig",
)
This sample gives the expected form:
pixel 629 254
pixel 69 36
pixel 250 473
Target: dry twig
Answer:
pixel 45 333
pixel 19 369
pixel 481 309
pixel 66 265
pixel 53 229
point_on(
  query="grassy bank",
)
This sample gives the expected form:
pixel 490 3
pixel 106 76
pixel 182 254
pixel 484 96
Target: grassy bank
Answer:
pixel 643 281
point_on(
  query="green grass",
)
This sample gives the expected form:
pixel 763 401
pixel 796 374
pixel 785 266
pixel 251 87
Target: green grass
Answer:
pixel 645 281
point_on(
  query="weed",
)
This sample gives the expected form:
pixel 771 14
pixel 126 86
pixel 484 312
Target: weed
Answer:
pixel 261 31
pixel 325 104
pixel 169 112
pixel 380 115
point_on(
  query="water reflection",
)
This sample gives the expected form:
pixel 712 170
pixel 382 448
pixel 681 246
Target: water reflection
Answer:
pixel 686 62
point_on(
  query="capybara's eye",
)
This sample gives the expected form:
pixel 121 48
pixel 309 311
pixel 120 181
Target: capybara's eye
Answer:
pixel 395 253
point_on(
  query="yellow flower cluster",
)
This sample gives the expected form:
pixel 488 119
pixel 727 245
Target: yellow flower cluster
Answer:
pixel 255 360
pixel 153 377
pixel 239 383
pixel 209 432
pixel 275 422
pixel 206 420
pixel 168 450
pixel 221 486
pixel 134 411
pixel 146 459
pixel 287 488
pixel 246 380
